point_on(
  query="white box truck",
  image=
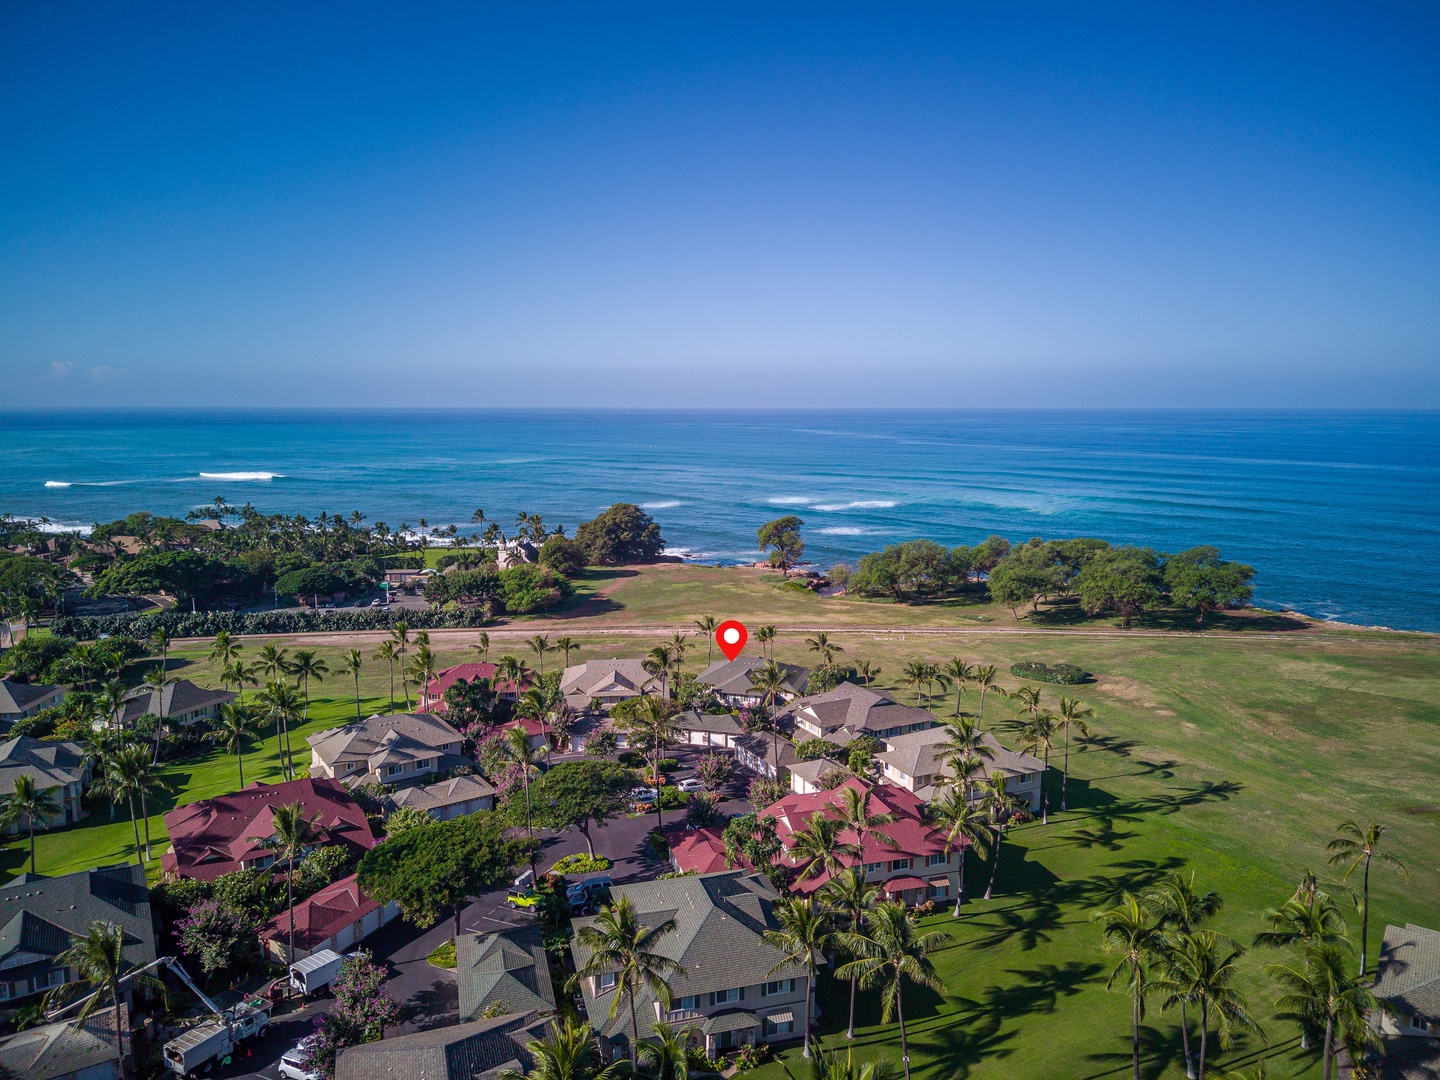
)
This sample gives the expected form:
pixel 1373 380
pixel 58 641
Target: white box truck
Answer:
pixel 203 1046
pixel 315 972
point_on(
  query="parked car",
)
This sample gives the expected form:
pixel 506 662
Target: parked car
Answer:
pixel 690 785
pixel 644 795
pixel 292 1061
pixel 588 894
pixel 377 602
pixel 523 900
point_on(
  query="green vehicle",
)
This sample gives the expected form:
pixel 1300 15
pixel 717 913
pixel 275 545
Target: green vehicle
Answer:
pixel 523 899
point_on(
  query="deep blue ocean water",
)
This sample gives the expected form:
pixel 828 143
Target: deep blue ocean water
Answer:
pixel 1338 511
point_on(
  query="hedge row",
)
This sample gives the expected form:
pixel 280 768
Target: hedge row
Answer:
pixel 185 624
pixel 1065 674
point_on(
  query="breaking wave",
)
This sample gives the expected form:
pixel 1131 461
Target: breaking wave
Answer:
pixel 241 476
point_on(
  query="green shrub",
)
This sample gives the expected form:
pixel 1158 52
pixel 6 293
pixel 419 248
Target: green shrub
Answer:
pixel 444 954
pixel 1064 674
pixel 580 863
pixel 206 624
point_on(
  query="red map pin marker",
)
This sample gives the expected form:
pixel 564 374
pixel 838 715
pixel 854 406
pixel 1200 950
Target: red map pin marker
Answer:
pixel 731 637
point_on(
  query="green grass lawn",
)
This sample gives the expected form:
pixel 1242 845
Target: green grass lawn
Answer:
pixel 1233 757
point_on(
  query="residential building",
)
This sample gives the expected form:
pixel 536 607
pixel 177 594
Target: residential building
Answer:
pixel 733 685
pixel 700 850
pixel 849 711
pixel 536 731
pixel 1407 982
pixel 434 696
pixel 709 729
pixel 447 799
pixel 808 777
pixel 338 916
pixel 759 752
pixel 606 681
pixel 19 700
pixel 235 831
pixel 507 969
pixel 64 1050
pixel 736 989
pixel 57 767
pixel 41 916
pixel 179 702
pixel 914 866
pixel 912 762
pixel 479 1050
pixel 396 748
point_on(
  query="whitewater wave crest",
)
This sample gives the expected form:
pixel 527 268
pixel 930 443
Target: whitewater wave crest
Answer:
pixel 241 476
pixel 664 504
pixel 858 504
pixel 842 530
pixel 57 483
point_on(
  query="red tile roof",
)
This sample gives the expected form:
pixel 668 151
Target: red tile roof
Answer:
pixel 436 687
pixel 322 915
pixel 914 837
pixel 219 835
pixel 903 884
pixel 701 850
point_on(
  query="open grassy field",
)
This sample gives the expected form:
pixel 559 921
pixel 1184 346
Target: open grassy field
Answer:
pixel 1233 756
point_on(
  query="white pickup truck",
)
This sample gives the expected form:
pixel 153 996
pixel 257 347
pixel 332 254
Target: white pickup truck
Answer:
pixel 214 1040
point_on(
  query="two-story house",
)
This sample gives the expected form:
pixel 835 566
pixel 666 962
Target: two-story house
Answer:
pixel 179 702
pixel 236 831
pixel 41 916
pixel 607 681
pixel 20 700
pixel 733 685
pixel 849 711
pixel 915 865
pixel 397 748
pixel 912 761
pixel 433 698
pixel 730 992
pixel 57 767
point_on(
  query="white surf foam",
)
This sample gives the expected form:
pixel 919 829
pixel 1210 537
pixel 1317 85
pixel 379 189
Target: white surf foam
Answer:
pixel 843 530
pixel 859 504
pixel 790 500
pixel 57 483
pixel 664 505
pixel 241 476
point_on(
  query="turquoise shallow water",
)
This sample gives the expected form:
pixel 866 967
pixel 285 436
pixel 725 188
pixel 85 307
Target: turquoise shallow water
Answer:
pixel 1339 511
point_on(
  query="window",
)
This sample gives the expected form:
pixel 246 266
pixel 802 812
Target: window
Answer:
pixel 874 867
pixel 779 1027
pixel 937 860
pixel 608 980
pixel 776 986
pixel 724 997
pixel 392 770
pixel 4 991
pixel 688 1004
pixel 900 864
pixel 939 890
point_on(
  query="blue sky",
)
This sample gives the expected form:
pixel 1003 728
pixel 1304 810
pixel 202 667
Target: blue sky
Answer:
pixel 348 204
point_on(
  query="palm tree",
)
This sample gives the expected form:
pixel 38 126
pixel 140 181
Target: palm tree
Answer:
pixel 962 673
pixel 1029 699
pixel 282 702
pixel 831 1066
pixel 1181 911
pixel 99 960
pixel 156 679
pixel 826 648
pixel 234 728
pixel 998 806
pixel 1323 988
pixel 29 801
pixel 307 666
pixel 853 809
pixel 515 749
pixel 984 679
pixel 1131 929
pixel 850 899
pixel 707 625
pixel 620 945
pixel 400 638
pixel 936 678
pixel 291 831
pixel 122 772
pixel 273 662
pixel 890 951
pixel 112 700
pixel 964 825
pixel 914 674
pixel 1359 847
pixel 1039 736
pixel 566 645
pixel 665 1052
pixel 867 671
pixel 1305 919
pixel 422 670
pixel 1199 967
pixel 657 663
pixel 539 645
pixel 482 646
pixel 567 1053
pixel 159 642
pixel 237 674
pixel 679 643
pixel 649 717
pixel 224 650
pixel 386 652
pixel 963 741
pixel 351 666
pixel 769 679
pixel 804 935
pixel 1072 714
pixel 765 635
pixel 817 847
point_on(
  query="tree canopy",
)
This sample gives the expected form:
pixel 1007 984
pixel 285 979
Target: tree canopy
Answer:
pixel 781 538
pixel 579 794
pixel 622 534
pixel 1199 580
pixel 1124 580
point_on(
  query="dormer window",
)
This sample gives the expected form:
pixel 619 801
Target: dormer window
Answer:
pixel 607 981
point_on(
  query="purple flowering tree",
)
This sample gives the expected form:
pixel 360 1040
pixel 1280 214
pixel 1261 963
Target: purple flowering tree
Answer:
pixel 215 935
pixel 363 1010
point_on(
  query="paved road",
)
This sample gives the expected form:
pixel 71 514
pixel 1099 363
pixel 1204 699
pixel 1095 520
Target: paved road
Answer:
pixel 428 995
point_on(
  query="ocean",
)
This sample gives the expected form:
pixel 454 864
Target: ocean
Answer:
pixel 1339 512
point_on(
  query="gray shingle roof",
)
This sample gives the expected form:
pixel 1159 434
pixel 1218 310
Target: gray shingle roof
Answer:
pixel 458 789
pixel 473 1051
pixel 732 1020
pixel 718 723
pixel 509 967
pixel 381 738
pixel 39 914
pixel 61 1049
pixel 733 676
pixel 719 919
pixel 1407 978
pixel 857 710
pixel 914 754
pixel 17 696
pixel 49 764
pixel 174 699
